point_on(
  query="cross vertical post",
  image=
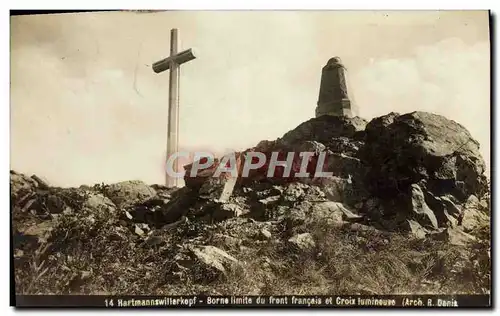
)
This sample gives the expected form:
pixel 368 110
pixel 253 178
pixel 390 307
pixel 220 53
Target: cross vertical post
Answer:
pixel 173 63
pixel 173 109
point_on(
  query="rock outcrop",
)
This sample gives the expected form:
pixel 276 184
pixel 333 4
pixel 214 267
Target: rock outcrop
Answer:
pixel 399 171
pixel 423 165
pixel 416 175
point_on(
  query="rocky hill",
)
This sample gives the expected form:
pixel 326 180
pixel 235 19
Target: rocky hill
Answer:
pixel 405 211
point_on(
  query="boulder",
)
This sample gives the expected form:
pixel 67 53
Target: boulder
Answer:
pixel 342 165
pixel 226 241
pixel 401 150
pixel 455 236
pixel 182 200
pixel 297 192
pixel 39 229
pixel 295 217
pixel 311 136
pixel 416 230
pixel 223 211
pixel 99 202
pixel 335 188
pixel 310 146
pixel 20 185
pixel 334 212
pixel 365 230
pixel 42 184
pixel 265 146
pixel 54 204
pixel 210 262
pixel 127 193
pixel 473 219
pixel 323 129
pixel 323 213
pixel 424 164
pixel 213 186
pixel 218 188
pixel 345 145
pixel 421 211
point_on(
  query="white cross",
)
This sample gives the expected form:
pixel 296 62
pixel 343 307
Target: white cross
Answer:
pixel 172 63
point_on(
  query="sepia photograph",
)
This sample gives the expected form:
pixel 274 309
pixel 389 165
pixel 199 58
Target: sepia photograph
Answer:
pixel 164 158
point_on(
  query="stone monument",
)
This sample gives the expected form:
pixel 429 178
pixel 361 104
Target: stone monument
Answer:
pixel 333 94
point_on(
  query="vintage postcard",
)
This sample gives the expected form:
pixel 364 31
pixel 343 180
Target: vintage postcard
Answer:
pixel 251 158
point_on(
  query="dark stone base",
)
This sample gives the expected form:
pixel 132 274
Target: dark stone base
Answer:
pixel 336 108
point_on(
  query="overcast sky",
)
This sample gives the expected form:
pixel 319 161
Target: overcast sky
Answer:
pixel 86 106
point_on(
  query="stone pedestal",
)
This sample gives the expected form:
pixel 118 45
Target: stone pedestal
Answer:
pixel 335 108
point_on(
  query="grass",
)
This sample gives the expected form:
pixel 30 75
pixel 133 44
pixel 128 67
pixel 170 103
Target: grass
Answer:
pixel 93 252
pixel 347 263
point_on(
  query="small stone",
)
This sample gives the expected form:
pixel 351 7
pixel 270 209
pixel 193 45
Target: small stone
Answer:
pixel 213 260
pixel 473 219
pixel 144 226
pixel 18 253
pixel 40 229
pixel 270 200
pixel 139 231
pixel 265 233
pixel 276 189
pixel 293 192
pixel 247 190
pixel 116 236
pixel 85 275
pixel 91 219
pixel 68 211
pixel 29 204
pixel 304 242
pixel 227 210
pixel 227 241
pixel 154 240
pixel 361 228
pixel 65 268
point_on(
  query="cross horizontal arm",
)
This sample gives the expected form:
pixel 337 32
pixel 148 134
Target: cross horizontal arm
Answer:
pixel 179 58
